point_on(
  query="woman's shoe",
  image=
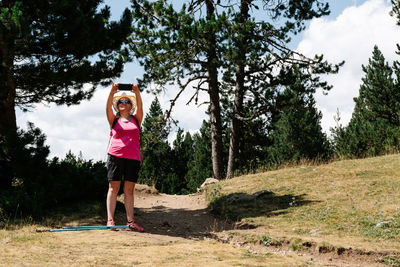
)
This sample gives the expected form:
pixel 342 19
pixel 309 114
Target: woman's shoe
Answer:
pixel 111 222
pixel 133 226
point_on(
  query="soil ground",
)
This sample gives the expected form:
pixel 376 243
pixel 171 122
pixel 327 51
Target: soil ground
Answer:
pixel 183 216
pixel 177 217
pixel 179 231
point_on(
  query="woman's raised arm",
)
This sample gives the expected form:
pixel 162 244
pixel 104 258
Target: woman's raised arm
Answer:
pixel 139 105
pixel 109 111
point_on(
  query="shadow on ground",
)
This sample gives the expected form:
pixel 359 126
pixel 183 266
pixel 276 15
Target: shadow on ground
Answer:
pixel 177 222
pixel 180 216
pixel 224 213
pixel 237 206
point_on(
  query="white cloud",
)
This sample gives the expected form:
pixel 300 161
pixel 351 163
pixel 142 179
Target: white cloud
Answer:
pixel 350 37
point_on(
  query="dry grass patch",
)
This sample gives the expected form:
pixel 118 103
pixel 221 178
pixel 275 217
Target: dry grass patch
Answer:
pixel 350 203
pixel 20 245
pixel 24 247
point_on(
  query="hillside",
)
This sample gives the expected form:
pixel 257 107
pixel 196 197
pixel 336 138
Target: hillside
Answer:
pixel 346 207
pixel 344 213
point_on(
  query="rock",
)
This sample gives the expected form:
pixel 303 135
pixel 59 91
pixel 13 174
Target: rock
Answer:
pixel 244 225
pixel 207 182
pixel 314 232
pixel 245 197
pixel 383 224
pixel 237 197
pixel 262 192
pixel 146 189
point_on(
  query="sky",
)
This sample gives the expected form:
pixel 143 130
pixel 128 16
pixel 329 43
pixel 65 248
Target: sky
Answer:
pixel 349 33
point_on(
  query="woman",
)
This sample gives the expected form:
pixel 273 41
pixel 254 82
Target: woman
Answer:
pixel 124 151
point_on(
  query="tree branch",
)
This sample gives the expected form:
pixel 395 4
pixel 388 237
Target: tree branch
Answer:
pixel 260 111
pixel 183 87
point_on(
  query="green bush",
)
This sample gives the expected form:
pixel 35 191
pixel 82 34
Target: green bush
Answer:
pixel 39 185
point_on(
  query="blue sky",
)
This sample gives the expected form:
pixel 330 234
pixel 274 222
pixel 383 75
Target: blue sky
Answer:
pixel 349 34
pixel 336 7
pixel 117 8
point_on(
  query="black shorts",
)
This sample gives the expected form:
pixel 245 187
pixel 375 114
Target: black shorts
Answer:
pixel 120 168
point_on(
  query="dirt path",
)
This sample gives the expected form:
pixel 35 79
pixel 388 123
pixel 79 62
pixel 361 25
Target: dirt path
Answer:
pixel 186 217
pixel 182 216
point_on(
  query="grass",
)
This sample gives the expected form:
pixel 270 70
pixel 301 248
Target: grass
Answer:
pixel 391 261
pixel 107 248
pixel 351 203
pixel 82 213
pixel 345 204
pixel 20 245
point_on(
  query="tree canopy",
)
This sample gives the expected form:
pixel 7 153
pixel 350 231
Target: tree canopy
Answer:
pixel 50 49
pixel 55 52
pixel 205 43
pixel 396 10
pixel 374 127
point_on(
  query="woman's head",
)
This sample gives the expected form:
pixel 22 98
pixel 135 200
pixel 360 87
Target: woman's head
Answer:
pixel 124 103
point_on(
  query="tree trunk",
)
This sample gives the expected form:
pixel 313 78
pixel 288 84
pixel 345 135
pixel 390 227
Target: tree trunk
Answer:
pixel 216 129
pixel 7 105
pixel 215 109
pixel 8 123
pixel 237 125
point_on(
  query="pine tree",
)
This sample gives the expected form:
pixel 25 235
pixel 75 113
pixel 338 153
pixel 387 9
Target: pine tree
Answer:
pixel 50 49
pixel 183 150
pixel 256 49
pixel 209 37
pixel 253 149
pixel 375 124
pixel 297 133
pixel 183 47
pixel 200 167
pixel 156 152
pixel 396 10
pixel 379 93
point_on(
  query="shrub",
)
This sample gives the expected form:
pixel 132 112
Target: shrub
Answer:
pixel 39 185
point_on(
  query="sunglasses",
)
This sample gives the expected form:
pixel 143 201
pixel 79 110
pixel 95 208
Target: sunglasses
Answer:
pixel 124 101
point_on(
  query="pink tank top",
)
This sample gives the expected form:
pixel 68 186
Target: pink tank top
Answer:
pixel 124 141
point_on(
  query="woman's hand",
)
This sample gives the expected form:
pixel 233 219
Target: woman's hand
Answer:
pixel 109 111
pixel 135 88
pixel 139 107
pixel 114 88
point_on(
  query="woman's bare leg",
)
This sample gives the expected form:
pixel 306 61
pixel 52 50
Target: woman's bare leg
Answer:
pixel 113 188
pixel 129 189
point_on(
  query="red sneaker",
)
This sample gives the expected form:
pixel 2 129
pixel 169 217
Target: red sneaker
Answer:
pixel 133 226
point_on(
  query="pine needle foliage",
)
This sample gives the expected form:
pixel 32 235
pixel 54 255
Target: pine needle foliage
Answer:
pixel 374 128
